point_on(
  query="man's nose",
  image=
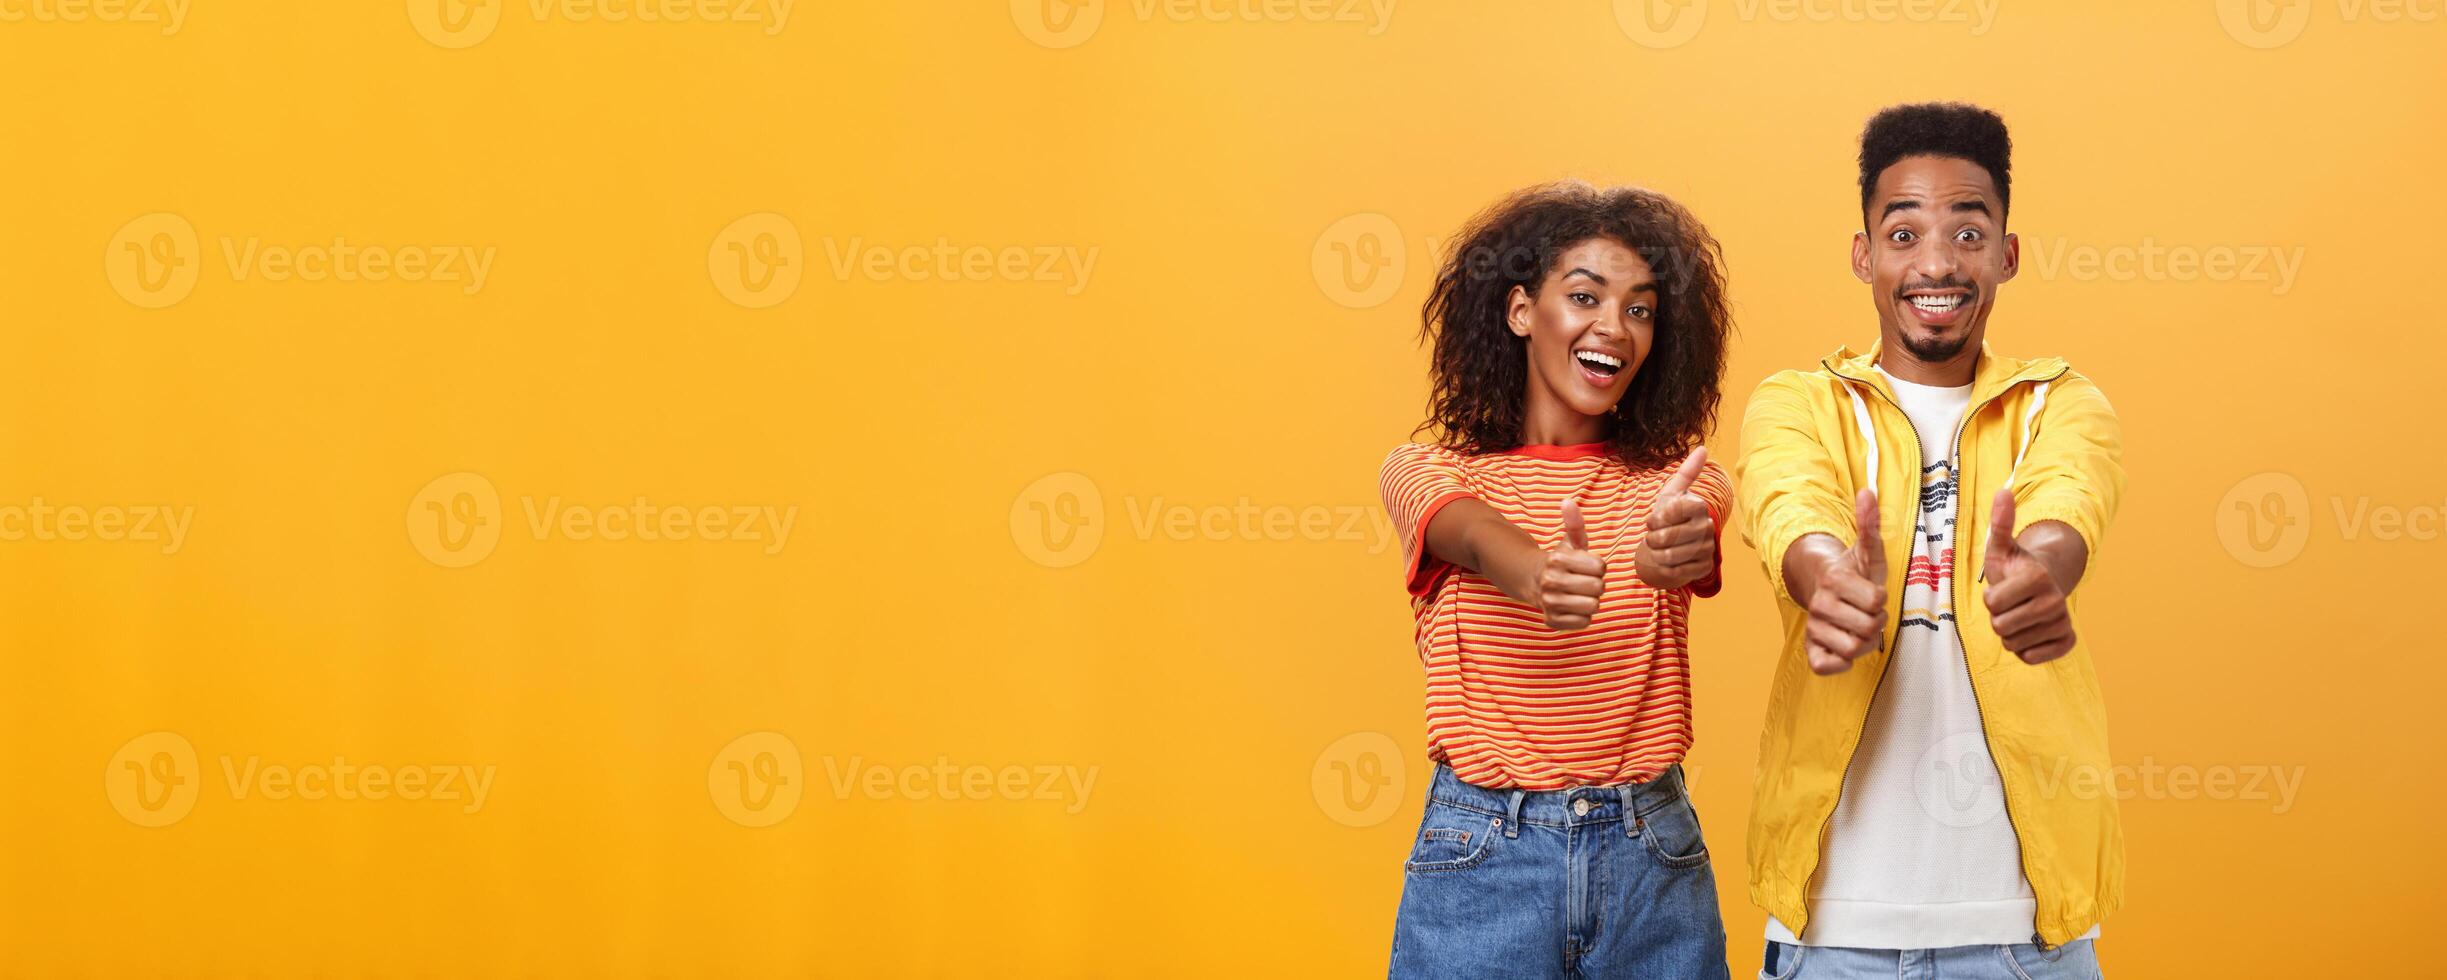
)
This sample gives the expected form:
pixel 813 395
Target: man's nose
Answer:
pixel 1935 260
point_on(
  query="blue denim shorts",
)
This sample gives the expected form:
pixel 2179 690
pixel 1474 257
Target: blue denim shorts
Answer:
pixel 1593 881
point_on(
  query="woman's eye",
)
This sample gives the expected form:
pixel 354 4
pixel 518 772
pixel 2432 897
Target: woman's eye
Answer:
pixel 1900 236
pixel 1639 312
pixel 1583 299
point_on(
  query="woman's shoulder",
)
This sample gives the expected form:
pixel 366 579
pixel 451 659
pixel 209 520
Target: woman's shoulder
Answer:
pixel 1411 454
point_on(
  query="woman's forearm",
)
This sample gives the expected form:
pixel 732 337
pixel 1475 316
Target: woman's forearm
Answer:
pixel 1472 535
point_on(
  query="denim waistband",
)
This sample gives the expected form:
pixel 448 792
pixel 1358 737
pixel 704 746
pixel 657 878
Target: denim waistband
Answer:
pixel 1575 806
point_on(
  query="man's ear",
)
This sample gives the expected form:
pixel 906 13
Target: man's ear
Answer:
pixel 1516 312
pixel 1860 255
pixel 2013 256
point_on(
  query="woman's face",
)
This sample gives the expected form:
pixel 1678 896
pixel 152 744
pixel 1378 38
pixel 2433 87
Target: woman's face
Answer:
pixel 1589 328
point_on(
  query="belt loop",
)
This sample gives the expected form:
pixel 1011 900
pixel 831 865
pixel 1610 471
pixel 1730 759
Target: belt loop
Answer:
pixel 1512 816
pixel 1631 810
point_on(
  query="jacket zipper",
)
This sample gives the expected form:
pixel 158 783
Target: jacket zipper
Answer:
pixel 1954 598
pixel 1953 594
pixel 1876 687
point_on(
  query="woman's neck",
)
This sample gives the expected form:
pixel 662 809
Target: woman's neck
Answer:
pixel 1550 423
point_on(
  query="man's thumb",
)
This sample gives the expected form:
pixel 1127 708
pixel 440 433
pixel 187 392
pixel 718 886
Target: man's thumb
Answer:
pixel 1575 534
pixel 2001 546
pixel 1871 547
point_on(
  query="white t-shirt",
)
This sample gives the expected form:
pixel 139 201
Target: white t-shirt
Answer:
pixel 1920 853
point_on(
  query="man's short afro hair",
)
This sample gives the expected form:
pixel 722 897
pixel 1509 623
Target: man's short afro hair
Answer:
pixel 1941 129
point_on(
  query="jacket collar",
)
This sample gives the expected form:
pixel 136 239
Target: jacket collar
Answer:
pixel 1990 376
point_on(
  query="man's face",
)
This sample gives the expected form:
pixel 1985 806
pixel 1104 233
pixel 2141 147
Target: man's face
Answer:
pixel 1934 254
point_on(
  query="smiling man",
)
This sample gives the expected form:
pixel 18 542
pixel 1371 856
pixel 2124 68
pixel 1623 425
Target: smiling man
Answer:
pixel 1905 822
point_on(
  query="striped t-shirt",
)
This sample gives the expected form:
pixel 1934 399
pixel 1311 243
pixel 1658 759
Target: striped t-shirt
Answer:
pixel 1511 703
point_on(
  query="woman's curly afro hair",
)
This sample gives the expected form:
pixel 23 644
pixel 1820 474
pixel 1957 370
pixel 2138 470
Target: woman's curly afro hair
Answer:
pixel 1479 373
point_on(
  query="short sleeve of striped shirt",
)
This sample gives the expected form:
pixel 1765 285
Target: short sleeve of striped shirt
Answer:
pixel 1717 492
pixel 1417 481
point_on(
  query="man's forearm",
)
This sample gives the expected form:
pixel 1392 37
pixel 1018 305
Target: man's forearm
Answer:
pixel 2059 547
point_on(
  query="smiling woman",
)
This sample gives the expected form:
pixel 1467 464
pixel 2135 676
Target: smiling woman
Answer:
pixel 1553 549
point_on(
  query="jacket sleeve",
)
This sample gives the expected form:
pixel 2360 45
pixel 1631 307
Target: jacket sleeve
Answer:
pixel 1789 483
pixel 2072 470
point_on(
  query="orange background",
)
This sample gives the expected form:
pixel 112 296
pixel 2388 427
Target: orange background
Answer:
pixel 668 724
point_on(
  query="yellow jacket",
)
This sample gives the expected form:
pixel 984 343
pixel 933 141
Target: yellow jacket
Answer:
pixel 1810 441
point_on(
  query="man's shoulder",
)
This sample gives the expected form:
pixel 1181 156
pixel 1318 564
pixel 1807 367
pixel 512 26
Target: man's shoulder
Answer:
pixel 1796 386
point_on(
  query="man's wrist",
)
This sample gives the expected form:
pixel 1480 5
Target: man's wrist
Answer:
pixel 2060 549
pixel 1806 561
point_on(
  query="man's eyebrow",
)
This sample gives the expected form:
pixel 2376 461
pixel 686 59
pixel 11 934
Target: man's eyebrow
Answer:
pixel 1899 204
pixel 1975 204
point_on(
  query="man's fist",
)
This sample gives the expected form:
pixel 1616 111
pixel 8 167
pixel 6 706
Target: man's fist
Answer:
pixel 1680 546
pixel 1848 610
pixel 2024 603
pixel 1572 578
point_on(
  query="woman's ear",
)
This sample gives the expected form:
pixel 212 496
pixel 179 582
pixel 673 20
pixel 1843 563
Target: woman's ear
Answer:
pixel 1516 312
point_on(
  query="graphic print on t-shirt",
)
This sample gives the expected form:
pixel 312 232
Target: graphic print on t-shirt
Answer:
pixel 1933 549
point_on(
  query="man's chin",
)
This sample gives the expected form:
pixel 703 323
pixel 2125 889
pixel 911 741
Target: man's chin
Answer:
pixel 1937 348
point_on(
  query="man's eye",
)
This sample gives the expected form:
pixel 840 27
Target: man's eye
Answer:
pixel 1900 236
pixel 1968 235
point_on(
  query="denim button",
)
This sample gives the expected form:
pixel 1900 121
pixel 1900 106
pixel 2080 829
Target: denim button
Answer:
pixel 1580 807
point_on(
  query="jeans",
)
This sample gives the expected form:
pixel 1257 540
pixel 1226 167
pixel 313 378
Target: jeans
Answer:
pixel 2073 961
pixel 1595 881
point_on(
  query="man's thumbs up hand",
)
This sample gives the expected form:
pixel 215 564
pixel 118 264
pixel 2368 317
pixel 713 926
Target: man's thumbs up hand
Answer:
pixel 1680 546
pixel 2024 603
pixel 1848 610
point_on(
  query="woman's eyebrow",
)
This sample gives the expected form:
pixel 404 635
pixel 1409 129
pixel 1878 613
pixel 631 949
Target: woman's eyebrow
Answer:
pixel 1578 271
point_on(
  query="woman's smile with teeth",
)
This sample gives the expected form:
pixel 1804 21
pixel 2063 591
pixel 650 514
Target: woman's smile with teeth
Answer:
pixel 1601 364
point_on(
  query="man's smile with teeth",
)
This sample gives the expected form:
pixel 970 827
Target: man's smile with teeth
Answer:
pixel 1938 304
pixel 1605 364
